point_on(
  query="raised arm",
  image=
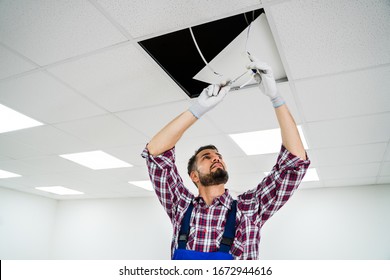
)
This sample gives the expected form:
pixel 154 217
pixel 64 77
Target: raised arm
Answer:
pixel 290 135
pixel 167 138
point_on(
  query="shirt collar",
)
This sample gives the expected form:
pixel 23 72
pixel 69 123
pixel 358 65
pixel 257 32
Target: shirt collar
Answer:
pixel 225 199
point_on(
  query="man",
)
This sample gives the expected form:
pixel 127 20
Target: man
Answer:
pixel 212 225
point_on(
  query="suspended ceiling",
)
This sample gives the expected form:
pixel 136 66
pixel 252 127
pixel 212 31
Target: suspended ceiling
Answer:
pixel 77 67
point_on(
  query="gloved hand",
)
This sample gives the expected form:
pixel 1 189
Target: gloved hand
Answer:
pixel 266 80
pixel 208 99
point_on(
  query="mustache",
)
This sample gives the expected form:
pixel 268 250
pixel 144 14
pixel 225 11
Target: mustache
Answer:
pixel 212 166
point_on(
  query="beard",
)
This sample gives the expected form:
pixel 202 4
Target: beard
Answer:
pixel 220 176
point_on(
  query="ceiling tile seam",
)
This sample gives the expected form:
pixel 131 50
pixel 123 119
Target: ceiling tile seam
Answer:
pixel 85 97
pixel 129 126
pixel 140 108
pixel 345 146
pixel 381 167
pixel 64 61
pixel 351 71
pixel 349 146
pixel 107 15
pixel 348 117
pixel 286 66
pixel 19 54
pixel 200 22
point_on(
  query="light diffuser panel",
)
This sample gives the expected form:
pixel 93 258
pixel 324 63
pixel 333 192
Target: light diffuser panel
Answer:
pixel 147 185
pixel 262 142
pixel 59 190
pixel 6 174
pixel 12 120
pixel 96 160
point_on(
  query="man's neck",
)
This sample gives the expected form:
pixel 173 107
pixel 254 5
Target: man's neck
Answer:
pixel 210 192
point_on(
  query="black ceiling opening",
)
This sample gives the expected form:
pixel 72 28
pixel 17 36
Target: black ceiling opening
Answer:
pixel 176 52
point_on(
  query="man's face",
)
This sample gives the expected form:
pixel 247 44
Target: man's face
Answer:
pixel 211 168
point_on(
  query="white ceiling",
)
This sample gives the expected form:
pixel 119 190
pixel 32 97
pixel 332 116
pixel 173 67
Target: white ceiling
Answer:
pixel 76 67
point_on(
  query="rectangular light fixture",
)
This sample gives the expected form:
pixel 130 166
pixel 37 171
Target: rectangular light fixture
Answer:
pixel 310 176
pixel 262 142
pixel 96 160
pixel 147 185
pixel 5 174
pixel 59 190
pixel 12 120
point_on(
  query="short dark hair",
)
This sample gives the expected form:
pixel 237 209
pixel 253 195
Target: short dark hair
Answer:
pixel 192 160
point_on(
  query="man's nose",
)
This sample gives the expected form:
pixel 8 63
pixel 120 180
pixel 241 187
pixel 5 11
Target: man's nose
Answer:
pixel 216 159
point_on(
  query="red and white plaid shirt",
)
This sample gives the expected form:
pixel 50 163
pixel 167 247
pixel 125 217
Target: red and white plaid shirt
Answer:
pixel 254 207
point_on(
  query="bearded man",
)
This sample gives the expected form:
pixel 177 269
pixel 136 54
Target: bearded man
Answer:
pixel 212 225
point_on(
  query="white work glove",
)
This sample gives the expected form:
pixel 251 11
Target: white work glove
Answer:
pixel 266 80
pixel 208 99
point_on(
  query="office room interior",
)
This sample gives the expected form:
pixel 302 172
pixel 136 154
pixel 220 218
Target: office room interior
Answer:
pixel 91 77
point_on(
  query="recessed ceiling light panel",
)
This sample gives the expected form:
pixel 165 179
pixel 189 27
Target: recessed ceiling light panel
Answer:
pixel 147 185
pixel 12 120
pixel 5 174
pixel 262 142
pixel 59 190
pixel 96 160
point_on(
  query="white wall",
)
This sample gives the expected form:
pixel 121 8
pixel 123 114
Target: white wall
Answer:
pixel 133 228
pixel 26 225
pixel 329 223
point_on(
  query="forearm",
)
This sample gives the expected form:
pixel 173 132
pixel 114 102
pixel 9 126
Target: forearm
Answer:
pixel 167 138
pixel 290 135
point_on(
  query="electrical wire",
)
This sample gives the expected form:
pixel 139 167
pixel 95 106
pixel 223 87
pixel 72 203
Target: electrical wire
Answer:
pixel 201 55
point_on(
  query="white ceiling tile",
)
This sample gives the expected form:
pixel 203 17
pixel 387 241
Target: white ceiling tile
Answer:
pixel 226 146
pixel 250 110
pixel 120 79
pixel 331 97
pixel 241 165
pixel 152 120
pixel 53 179
pixel 41 97
pixel 103 131
pixel 48 140
pixel 231 62
pixel 351 131
pixel 12 64
pixel 49 31
pixel 328 36
pixel 103 179
pixel 241 182
pixel 327 173
pixel 264 163
pixel 349 154
pixel 310 185
pixel 130 154
pixel 16 150
pixel 387 156
pixel 54 164
pixel 168 15
pixel 385 169
pixel 350 182
pixel 19 167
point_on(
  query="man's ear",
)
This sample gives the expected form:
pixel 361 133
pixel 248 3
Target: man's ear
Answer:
pixel 194 176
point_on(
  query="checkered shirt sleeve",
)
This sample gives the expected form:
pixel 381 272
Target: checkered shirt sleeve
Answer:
pixel 275 189
pixel 168 184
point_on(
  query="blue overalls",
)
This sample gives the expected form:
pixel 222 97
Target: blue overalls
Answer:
pixel 181 253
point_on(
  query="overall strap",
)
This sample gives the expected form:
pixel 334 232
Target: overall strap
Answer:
pixel 230 229
pixel 185 228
